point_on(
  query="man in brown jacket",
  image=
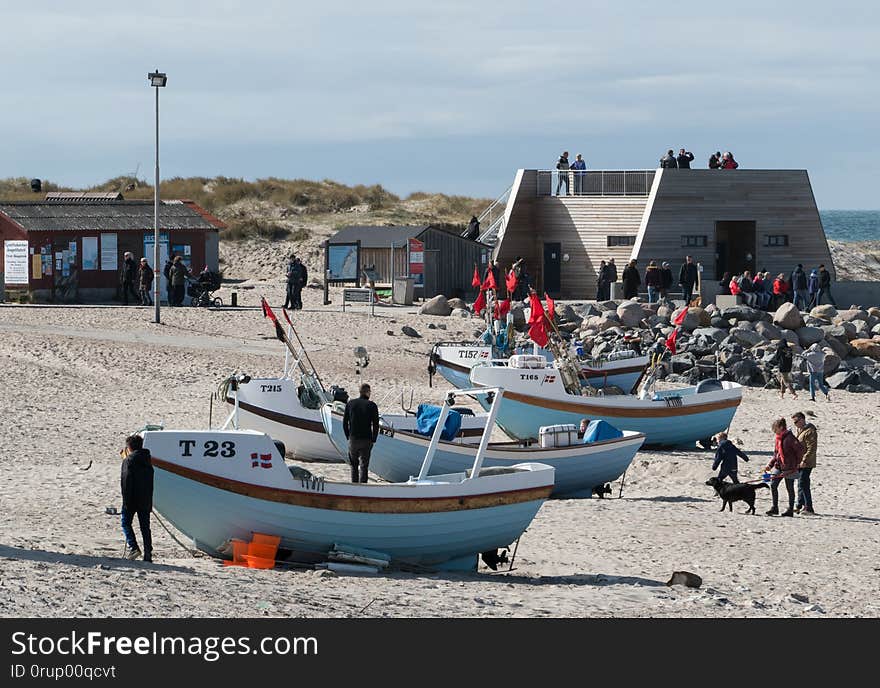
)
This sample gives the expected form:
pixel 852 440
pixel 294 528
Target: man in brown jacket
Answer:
pixel 809 437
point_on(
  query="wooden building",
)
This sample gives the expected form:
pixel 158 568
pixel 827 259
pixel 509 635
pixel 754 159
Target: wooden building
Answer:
pixel 448 258
pixel 70 247
pixel 728 220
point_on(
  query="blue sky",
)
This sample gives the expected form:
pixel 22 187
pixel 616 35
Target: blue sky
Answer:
pixel 440 96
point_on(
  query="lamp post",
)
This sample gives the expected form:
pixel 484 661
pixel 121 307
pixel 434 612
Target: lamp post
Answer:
pixel 157 80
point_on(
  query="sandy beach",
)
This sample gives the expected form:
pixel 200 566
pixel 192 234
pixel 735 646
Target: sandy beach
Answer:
pixel 78 380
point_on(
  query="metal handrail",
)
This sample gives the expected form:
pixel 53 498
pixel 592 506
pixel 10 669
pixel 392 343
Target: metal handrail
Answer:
pixel 493 216
pixel 595 182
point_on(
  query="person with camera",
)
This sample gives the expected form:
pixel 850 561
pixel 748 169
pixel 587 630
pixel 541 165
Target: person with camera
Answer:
pixel 684 159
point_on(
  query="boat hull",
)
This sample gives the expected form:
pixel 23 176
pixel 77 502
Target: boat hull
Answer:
pixel 214 499
pixel 578 468
pixel 535 398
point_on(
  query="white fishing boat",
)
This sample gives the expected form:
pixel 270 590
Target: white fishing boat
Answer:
pixel 548 394
pixel 579 466
pixel 219 485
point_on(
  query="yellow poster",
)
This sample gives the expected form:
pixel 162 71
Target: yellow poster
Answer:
pixel 36 259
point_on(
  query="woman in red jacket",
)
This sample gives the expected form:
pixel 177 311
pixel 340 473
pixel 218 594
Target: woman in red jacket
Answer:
pixel 786 459
pixel 728 163
pixel 780 290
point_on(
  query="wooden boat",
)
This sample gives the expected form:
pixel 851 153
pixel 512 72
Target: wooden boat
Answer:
pixel 454 361
pixel 579 467
pixel 535 397
pixel 216 485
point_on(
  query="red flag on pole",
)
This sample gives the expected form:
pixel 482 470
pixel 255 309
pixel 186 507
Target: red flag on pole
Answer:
pixel 269 313
pixel 480 303
pixel 502 308
pixel 551 307
pixel 510 281
pixel 475 282
pixel 537 321
pixel 538 333
pixel 670 341
pixel 489 283
pixel 679 319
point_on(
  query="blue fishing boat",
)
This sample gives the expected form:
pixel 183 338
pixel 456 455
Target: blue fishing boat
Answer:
pixel 579 467
pixel 219 485
pixel 535 397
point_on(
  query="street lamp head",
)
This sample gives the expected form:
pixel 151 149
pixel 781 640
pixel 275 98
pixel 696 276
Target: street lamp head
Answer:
pixel 157 78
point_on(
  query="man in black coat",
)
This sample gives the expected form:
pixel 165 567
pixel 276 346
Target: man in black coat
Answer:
pixel 684 159
pixel 361 427
pixel 137 495
pixel 687 278
pixel 668 161
pixel 129 272
pixel 296 280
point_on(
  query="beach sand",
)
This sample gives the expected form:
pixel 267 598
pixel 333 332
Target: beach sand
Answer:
pixel 77 380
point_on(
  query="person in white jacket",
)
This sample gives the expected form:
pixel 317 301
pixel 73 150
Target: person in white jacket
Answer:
pixel 815 358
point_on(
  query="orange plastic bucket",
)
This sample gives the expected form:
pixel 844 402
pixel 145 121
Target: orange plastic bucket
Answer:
pixel 255 549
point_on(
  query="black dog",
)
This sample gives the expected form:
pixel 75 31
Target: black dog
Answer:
pixel 601 490
pixel 735 492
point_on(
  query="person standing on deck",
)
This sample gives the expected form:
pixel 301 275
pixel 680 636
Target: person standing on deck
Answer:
pixel 580 176
pixel 136 481
pixel 563 166
pixel 687 279
pixel 684 159
pixel 668 161
pixel 361 426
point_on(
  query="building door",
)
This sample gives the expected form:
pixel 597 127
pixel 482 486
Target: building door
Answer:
pixel 552 268
pixel 735 247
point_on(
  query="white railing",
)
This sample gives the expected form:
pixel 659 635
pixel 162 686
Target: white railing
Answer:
pixel 492 219
pixel 595 182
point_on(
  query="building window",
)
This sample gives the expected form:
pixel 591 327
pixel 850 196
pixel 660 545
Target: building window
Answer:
pixel 777 240
pixel 620 240
pixel 693 241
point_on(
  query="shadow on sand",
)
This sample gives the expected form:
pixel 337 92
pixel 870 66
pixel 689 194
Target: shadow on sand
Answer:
pixel 84 560
pixel 666 498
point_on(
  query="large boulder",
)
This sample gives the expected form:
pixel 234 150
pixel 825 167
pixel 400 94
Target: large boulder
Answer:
pixel 791 337
pixel 456 303
pixel 840 348
pixel 851 314
pixel 861 329
pixel 436 306
pixel 867 347
pixel 588 309
pixel 860 362
pixel 742 313
pixel 606 305
pixel 768 331
pixel 842 379
pixel 809 335
pixel 744 372
pixel 630 313
pixel 826 312
pixel 682 362
pixel 715 333
pixel 569 315
pixel 832 360
pixel 788 316
pixel 746 338
pixel 718 321
pixel 696 317
pixel 460 313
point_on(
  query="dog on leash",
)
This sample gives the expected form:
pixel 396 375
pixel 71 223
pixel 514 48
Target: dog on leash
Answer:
pixel 735 492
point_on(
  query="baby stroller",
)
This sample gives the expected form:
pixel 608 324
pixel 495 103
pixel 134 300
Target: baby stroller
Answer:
pixel 201 288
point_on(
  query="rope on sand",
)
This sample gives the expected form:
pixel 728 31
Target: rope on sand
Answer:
pixel 192 553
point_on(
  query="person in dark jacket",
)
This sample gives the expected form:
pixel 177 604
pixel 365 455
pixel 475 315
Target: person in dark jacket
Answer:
pixel 813 287
pixel 169 295
pixel 473 229
pixel 137 495
pixel 145 280
pixel 783 358
pixel 652 281
pixel 725 456
pixel 563 166
pixel 787 457
pixel 665 281
pixel 631 280
pixel 724 285
pixel 684 159
pixel 178 281
pixel 668 161
pixel 129 273
pixel 687 278
pixel 612 270
pixel 824 287
pixel 799 288
pixel 602 282
pixel 715 161
pixel 361 426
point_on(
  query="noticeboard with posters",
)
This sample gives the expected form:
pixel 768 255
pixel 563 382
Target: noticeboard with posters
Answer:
pixel 15 260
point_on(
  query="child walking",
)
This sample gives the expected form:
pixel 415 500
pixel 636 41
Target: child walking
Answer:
pixel 725 456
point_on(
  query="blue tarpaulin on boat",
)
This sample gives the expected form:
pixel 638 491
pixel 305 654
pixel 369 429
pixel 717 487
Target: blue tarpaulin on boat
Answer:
pixel 599 430
pixel 427 416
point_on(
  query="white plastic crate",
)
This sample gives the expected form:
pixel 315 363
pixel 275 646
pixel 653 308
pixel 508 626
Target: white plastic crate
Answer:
pixel 562 435
pixel 527 361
